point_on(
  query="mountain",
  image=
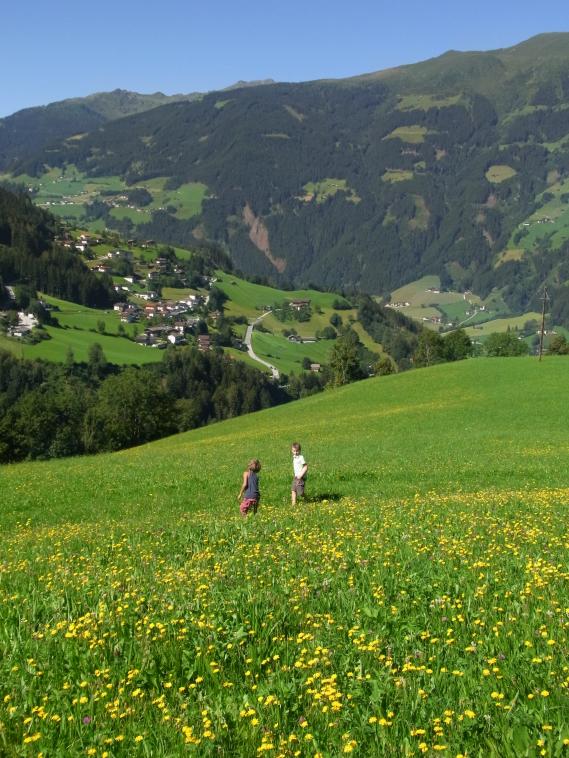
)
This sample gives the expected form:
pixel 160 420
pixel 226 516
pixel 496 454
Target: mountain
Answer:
pixel 33 129
pixel 456 166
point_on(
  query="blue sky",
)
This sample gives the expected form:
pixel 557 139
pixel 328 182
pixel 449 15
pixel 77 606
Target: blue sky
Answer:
pixel 58 49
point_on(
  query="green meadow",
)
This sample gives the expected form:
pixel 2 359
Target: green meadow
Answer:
pixel 501 324
pixel 322 190
pixel 77 331
pixel 118 350
pixel 550 223
pixel 414 604
pixel 414 134
pixel 288 356
pixel 66 192
pixel 500 173
pixel 251 298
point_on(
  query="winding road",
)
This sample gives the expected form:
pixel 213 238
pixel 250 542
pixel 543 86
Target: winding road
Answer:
pixel 250 351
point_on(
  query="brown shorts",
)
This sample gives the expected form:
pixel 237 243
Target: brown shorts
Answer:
pixel 298 486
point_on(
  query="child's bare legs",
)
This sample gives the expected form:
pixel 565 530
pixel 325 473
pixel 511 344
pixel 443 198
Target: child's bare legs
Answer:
pixel 293 497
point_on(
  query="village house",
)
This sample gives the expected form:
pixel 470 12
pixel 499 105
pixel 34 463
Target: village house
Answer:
pixel 148 295
pixel 298 305
pixel 19 331
pixel 27 320
pixel 315 367
pixel 145 339
pixel 399 304
pixel 157 331
pixel 176 339
pixel 193 301
pixel 124 255
pixel 150 311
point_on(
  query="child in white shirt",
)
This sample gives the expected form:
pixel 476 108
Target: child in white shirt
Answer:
pixel 300 467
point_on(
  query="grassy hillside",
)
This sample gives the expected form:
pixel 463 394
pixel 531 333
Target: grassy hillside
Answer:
pixel 414 604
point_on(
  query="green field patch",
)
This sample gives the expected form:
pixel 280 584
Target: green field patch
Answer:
pixel 249 299
pixel 501 324
pixel 422 214
pixel 78 330
pixel 288 356
pixel 426 314
pixel 426 291
pixel 189 198
pixel 67 192
pixel 426 102
pixel 319 320
pixel 294 113
pixel 179 293
pixel 69 211
pixel 12 345
pixel 549 225
pixel 78 316
pixel 500 173
pixel 153 185
pixel 322 190
pixel 219 104
pixel 136 215
pixel 561 144
pixel 397 175
pixel 117 350
pixel 510 254
pixel 242 355
pixel 459 310
pixel 413 134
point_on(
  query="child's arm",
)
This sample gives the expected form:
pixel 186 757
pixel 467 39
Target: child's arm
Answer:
pixel 303 471
pixel 244 485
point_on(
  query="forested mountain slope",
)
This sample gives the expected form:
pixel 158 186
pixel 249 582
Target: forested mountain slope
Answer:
pixel 440 167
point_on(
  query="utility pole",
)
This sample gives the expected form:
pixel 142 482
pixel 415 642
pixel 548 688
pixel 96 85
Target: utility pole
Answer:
pixel 544 298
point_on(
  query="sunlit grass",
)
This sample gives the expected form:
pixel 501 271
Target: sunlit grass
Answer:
pixel 416 603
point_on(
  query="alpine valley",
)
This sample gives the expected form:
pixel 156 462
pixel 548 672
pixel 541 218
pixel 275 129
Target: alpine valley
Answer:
pixel 456 167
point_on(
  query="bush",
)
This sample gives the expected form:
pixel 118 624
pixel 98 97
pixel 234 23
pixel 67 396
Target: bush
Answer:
pixel 505 344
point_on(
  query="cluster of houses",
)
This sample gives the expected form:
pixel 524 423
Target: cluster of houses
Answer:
pixel 399 304
pixel 174 315
pixel 130 312
pixel 544 220
pixel 162 335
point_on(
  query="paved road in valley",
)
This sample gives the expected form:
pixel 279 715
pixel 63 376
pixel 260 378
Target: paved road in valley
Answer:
pixel 252 354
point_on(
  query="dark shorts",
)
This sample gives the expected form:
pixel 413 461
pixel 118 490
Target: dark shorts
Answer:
pixel 298 486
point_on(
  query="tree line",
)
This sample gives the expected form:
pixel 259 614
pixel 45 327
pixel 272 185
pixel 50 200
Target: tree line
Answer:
pixel 51 410
pixel 30 256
